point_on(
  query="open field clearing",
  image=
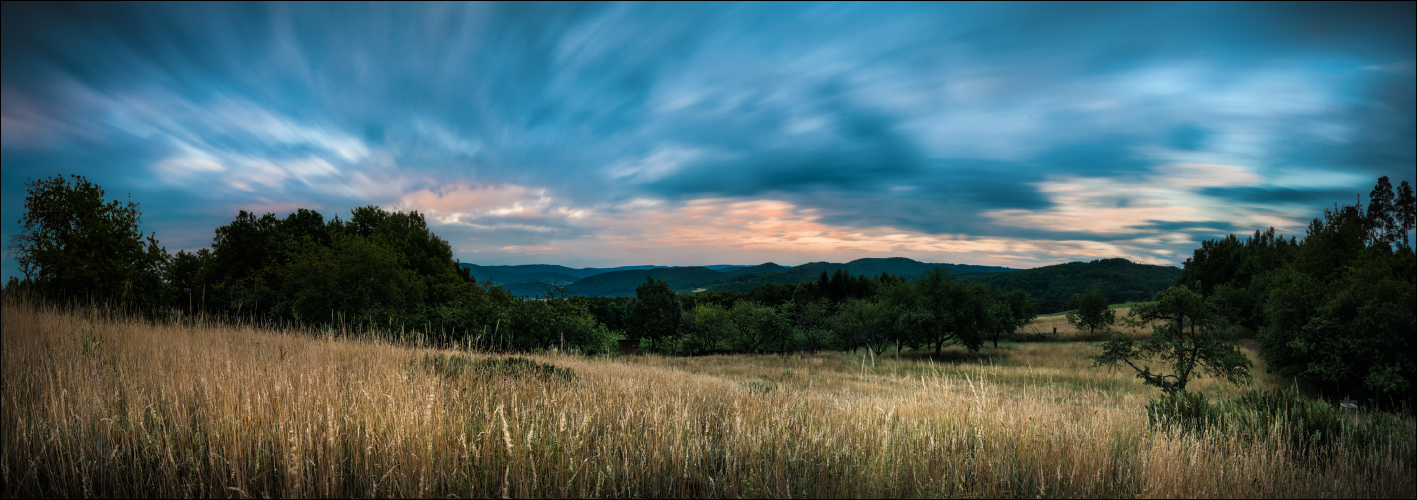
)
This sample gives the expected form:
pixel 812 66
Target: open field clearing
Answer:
pixel 96 406
pixel 1066 332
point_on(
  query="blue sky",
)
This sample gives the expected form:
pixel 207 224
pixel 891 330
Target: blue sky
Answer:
pixel 689 134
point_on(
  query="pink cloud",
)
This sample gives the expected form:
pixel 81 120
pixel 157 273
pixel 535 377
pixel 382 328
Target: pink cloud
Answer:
pixel 467 203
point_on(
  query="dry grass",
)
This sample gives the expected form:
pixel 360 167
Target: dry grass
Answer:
pixel 116 407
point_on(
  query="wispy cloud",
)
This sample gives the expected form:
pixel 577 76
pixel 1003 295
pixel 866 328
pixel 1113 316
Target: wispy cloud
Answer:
pixel 678 134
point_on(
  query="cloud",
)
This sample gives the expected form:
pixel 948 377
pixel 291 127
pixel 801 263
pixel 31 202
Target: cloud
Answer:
pixel 462 203
pixel 958 129
pixel 759 230
pixel 1169 197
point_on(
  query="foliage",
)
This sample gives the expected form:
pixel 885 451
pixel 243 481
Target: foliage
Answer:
pixel 519 366
pixel 813 323
pixel 1309 425
pixel 563 323
pixel 1336 308
pixel 455 366
pixel 1353 332
pixel 1052 286
pixel 1190 336
pixel 1091 311
pixel 1017 310
pixel 937 309
pixel 74 244
pixel 864 323
pixel 747 326
pixel 656 311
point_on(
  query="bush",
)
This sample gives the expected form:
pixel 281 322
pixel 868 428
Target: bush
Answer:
pixel 517 366
pixel 454 366
pixel 1310 425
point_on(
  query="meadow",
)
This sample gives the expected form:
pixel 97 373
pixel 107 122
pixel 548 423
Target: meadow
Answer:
pixel 97 404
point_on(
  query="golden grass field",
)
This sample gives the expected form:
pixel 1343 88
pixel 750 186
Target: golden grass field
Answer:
pixel 116 407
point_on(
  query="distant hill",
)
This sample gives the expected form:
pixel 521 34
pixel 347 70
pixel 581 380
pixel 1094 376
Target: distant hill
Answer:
pixel 1119 279
pixel 899 266
pixel 537 272
pixel 725 267
pixel 789 275
pixel 1051 286
pixel 496 275
pixel 760 268
pixel 620 283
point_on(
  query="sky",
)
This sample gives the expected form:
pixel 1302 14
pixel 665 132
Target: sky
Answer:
pixel 1017 135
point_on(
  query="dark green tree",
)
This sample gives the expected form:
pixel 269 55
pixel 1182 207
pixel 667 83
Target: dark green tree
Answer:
pixel 656 310
pixel 186 272
pixel 245 256
pixel 353 279
pixel 936 309
pixel 537 324
pixel 813 322
pixel 1091 311
pixel 73 244
pixel 863 323
pixel 1187 335
pixel 1383 214
pixel 1406 211
pixel 1018 311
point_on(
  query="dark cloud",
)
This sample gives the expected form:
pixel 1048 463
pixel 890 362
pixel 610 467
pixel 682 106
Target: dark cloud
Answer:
pixel 1191 226
pixel 1315 198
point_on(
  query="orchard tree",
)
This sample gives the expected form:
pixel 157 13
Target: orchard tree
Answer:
pixel 1092 312
pixel 1016 310
pixel 1188 335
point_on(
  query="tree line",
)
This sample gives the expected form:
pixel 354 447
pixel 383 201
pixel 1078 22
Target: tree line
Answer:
pixel 385 272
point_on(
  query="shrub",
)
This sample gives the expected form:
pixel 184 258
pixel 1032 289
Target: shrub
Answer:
pixel 1310 425
pixel 454 366
pixel 517 366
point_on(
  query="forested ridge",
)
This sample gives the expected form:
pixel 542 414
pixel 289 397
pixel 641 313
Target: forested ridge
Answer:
pixel 1120 280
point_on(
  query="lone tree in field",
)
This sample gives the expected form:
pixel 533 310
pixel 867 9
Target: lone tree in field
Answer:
pixel 1092 312
pixel 1191 335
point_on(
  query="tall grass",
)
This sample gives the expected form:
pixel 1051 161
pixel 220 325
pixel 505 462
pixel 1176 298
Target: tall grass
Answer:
pixel 97 405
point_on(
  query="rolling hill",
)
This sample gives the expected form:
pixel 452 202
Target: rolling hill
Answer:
pixel 1119 279
pixel 1051 286
pixel 899 266
pixel 507 275
pixel 618 283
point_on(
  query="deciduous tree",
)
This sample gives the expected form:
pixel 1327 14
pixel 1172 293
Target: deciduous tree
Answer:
pixel 1188 335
